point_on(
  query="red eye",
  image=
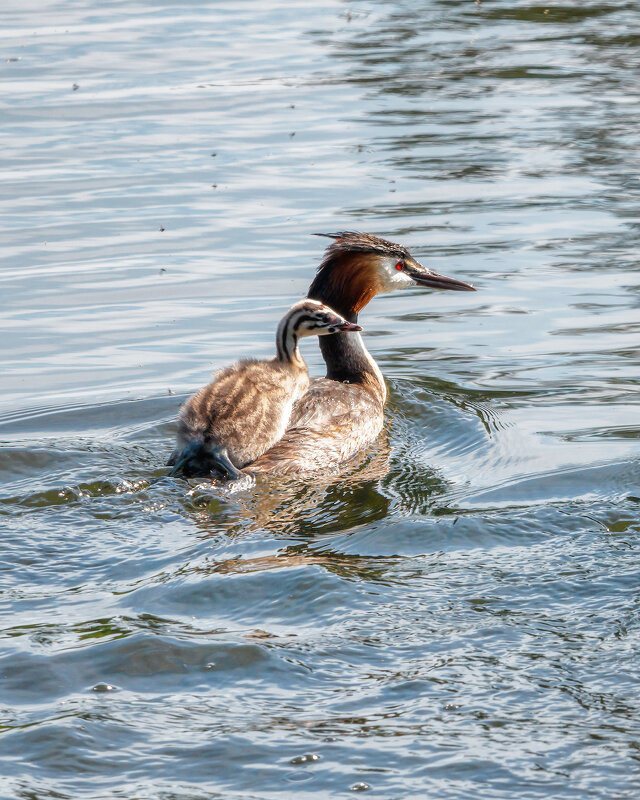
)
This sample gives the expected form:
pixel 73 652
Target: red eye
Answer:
pixel 400 265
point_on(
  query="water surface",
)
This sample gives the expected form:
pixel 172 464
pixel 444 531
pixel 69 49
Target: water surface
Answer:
pixel 455 615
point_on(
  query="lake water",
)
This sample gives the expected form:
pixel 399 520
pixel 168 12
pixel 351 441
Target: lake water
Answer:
pixel 457 615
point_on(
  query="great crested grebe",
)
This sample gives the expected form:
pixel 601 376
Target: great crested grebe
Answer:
pixel 246 408
pixel 344 412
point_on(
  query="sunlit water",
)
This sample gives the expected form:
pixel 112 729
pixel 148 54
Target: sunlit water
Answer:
pixel 456 616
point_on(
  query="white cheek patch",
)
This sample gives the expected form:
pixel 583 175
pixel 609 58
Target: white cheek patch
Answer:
pixel 402 279
pixel 390 277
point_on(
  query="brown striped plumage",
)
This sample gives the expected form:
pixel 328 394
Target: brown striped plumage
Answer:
pixel 246 408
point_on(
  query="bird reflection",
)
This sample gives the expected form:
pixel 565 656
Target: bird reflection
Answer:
pixel 309 509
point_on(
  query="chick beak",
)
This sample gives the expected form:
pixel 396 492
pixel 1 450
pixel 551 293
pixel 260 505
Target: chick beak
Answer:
pixel 349 326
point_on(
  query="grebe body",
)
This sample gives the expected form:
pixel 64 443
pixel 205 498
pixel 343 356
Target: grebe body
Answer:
pixel 246 408
pixel 344 412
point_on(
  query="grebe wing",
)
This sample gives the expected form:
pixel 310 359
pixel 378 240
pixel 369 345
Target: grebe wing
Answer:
pixel 328 425
pixel 324 401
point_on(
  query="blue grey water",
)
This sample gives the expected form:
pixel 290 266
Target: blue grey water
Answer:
pixel 456 615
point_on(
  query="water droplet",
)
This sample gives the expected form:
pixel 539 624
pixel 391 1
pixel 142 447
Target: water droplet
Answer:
pixel 359 787
pixel 103 687
pixel 308 758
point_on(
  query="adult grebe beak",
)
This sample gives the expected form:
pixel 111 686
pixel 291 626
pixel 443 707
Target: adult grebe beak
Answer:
pixel 427 277
pixel 349 326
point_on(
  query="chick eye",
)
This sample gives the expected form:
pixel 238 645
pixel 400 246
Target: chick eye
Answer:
pixel 400 265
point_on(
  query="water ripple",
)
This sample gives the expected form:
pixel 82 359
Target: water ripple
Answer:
pixel 454 613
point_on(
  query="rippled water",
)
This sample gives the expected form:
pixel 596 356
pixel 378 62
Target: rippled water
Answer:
pixel 456 616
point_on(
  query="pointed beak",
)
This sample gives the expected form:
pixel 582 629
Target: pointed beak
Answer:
pixel 427 277
pixel 349 326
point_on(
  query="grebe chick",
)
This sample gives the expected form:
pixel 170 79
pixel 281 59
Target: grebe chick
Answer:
pixel 246 408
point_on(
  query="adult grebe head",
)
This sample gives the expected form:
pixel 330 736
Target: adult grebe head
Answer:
pixel 358 266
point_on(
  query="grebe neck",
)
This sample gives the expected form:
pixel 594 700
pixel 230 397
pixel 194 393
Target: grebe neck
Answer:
pixel 287 344
pixel 349 361
pixel 341 284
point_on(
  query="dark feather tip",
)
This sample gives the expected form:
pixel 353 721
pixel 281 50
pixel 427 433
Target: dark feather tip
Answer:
pixel 338 235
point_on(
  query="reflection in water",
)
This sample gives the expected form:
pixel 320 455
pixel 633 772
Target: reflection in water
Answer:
pixel 314 506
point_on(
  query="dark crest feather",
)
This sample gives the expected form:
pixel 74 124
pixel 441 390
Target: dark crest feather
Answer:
pixel 354 242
